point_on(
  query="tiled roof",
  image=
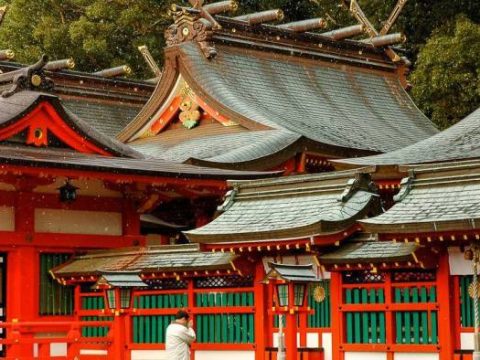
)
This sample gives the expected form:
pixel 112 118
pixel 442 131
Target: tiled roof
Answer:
pixel 461 141
pixel 338 106
pixel 122 280
pixel 58 158
pixel 227 148
pixel 289 272
pixel 288 208
pixel 15 107
pixel 145 259
pixel 370 251
pixel 105 118
pixel 438 198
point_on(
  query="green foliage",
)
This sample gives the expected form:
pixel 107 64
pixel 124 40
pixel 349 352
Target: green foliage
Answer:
pixel 96 33
pixel 446 78
pixel 105 33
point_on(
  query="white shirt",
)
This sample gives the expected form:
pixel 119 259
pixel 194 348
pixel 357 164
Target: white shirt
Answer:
pixel 178 340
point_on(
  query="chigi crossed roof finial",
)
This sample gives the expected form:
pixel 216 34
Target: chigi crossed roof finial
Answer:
pixel 198 4
pixel 379 38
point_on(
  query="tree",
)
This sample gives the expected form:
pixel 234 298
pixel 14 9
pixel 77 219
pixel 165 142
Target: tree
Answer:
pixel 447 75
pixel 96 33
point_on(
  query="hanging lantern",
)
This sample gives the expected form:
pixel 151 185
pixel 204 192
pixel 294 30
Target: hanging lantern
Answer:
pixel 282 294
pixel 299 293
pixel 111 298
pixel 125 297
pixel 67 192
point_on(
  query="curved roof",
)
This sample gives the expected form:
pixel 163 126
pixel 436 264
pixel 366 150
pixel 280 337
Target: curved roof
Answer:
pixel 339 106
pixel 19 105
pixel 67 159
pixel 290 208
pixel 438 197
pixel 459 142
pixel 221 149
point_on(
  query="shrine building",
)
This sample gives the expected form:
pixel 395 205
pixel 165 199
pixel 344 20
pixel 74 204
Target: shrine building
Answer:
pixel 273 178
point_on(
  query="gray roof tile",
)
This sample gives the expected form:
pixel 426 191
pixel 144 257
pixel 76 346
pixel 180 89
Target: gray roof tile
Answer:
pixel 461 141
pixel 436 199
pixel 302 206
pixel 150 259
pixel 331 105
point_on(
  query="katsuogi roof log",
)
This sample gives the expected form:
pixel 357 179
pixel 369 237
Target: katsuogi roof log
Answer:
pixel 262 17
pixel 290 208
pixel 115 71
pixel 220 7
pixel 304 25
pixel 60 64
pixel 435 198
pixel 7 54
pixel 387 40
pixel 344 33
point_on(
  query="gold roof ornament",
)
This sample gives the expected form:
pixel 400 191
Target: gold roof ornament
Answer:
pixel 7 54
pixel 150 60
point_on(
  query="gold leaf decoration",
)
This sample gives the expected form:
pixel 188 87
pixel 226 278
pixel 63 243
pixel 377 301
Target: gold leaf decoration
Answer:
pixel 471 290
pixel 318 293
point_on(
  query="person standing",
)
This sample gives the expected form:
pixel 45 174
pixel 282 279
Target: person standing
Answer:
pixel 179 337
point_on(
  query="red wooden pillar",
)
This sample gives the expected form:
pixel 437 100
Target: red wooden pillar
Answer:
pixel 337 315
pixel 456 312
pixel 291 328
pixel 389 331
pixel 269 317
pixel 118 350
pixel 303 329
pixel 445 320
pixel 191 305
pixel 262 330
pixel 22 265
pixel 131 219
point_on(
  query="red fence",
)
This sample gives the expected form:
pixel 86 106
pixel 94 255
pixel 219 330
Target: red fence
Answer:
pixel 23 341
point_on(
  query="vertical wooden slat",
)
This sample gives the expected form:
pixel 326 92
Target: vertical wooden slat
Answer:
pixel 356 317
pixel 407 316
pixel 218 320
pixel 381 318
pixel 434 316
pixel 162 320
pixel 423 299
pixel 373 317
pixel 416 318
pixel 365 318
pixel 349 317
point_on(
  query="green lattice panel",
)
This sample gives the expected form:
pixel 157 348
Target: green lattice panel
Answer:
pixel 225 328
pixel 367 327
pixel 151 329
pixel 94 303
pixel 466 302
pixel 416 327
pixel 55 299
pixel 321 317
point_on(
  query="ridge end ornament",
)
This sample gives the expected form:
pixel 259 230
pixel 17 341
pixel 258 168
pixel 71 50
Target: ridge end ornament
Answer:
pixel 194 24
pixel 28 78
